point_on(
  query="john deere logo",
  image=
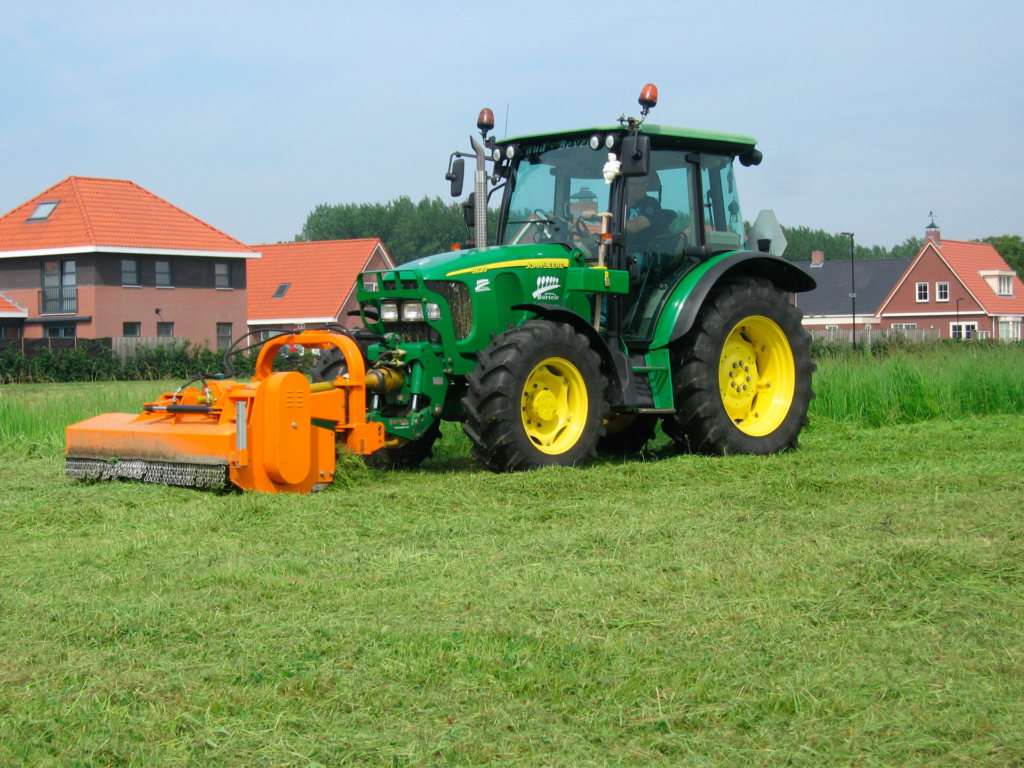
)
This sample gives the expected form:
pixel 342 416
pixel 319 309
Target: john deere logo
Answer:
pixel 546 287
pixel 483 284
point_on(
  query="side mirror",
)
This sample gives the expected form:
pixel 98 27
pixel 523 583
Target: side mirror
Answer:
pixel 469 208
pixel 455 176
pixel 636 155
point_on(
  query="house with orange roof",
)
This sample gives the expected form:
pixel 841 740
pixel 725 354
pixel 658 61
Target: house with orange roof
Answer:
pixel 12 317
pixel 94 258
pixel 307 285
pixel 965 290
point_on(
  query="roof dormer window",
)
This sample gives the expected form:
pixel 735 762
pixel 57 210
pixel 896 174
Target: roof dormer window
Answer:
pixel 43 211
pixel 282 289
pixel 1005 285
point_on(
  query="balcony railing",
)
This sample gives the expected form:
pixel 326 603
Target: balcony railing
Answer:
pixel 58 301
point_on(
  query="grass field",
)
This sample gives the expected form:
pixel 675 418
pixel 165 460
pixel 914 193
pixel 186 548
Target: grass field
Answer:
pixel 858 602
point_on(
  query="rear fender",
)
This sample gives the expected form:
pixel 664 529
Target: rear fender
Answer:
pixel 680 310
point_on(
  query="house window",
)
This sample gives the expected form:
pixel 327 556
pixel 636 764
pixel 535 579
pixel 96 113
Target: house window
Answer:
pixel 1005 285
pixel 266 335
pixel 369 285
pixel 59 294
pixel 130 273
pixel 942 291
pixel 223 336
pixel 12 332
pixel 963 331
pixel 831 327
pixel 165 330
pixel 922 293
pixel 282 289
pixel 164 279
pixel 43 211
pixel 1009 330
pixel 131 329
pixel 904 326
pixel 59 331
pixel 222 275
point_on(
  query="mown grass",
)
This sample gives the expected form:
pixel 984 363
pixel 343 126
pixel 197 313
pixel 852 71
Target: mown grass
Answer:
pixel 854 603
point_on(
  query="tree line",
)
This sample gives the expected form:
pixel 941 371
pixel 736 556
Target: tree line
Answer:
pixel 411 230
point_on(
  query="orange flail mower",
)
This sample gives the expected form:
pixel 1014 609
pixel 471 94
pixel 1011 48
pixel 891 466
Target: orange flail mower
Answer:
pixel 276 433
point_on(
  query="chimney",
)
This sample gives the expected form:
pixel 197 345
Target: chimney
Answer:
pixel 931 232
pixel 817 258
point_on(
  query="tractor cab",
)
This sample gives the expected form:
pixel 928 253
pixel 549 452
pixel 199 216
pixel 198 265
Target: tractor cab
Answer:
pixel 677 207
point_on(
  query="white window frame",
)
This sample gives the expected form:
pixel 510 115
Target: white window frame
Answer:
pixel 831 327
pixel 904 326
pixel 1007 281
pixel 939 289
pixel 917 295
pixel 964 324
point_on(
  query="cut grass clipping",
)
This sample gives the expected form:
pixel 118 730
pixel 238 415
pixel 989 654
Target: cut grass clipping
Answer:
pixel 857 602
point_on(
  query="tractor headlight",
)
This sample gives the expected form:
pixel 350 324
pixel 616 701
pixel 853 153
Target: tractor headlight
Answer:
pixel 389 312
pixel 496 154
pixel 433 312
pixel 595 141
pixel 611 142
pixel 412 312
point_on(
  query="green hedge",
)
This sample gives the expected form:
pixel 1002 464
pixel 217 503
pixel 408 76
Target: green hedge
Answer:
pixel 101 364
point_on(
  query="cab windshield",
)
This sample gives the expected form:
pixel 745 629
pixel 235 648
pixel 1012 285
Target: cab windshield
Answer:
pixel 557 193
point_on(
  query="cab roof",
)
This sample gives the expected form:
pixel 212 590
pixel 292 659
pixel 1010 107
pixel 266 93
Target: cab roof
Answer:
pixel 735 143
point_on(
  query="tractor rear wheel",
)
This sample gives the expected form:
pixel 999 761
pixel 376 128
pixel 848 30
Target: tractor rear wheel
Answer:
pixel 742 374
pixel 535 399
pixel 330 366
pixel 626 433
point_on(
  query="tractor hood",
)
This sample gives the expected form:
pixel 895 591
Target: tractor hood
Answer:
pixel 478 260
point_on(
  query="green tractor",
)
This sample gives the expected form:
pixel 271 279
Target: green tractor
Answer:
pixel 621 291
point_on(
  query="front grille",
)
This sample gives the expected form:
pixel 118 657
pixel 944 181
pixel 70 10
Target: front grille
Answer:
pixel 414 332
pixel 406 285
pixel 457 296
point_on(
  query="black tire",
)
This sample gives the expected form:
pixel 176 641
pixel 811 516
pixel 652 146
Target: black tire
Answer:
pixel 330 366
pixel 499 404
pixel 701 423
pixel 627 433
pixel 408 455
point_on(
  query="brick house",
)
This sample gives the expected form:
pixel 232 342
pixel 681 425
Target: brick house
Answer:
pixel 965 290
pixel 830 306
pixel 12 317
pixel 306 285
pixel 104 257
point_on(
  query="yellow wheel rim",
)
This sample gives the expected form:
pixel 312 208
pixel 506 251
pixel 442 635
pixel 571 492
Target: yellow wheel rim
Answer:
pixel 554 405
pixel 757 376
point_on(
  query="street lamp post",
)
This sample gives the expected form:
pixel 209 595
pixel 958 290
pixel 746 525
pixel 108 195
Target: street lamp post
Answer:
pixel 959 330
pixel 853 291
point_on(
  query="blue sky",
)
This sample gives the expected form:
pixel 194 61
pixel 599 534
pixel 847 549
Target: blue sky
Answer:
pixel 248 115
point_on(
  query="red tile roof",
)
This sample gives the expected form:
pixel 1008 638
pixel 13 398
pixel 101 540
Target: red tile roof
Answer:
pixel 966 259
pixel 111 213
pixel 6 305
pixel 322 275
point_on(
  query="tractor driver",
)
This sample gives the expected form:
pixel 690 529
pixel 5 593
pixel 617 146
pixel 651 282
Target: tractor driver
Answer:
pixel 642 210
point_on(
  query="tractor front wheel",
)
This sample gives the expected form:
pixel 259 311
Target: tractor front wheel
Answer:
pixel 536 398
pixel 742 374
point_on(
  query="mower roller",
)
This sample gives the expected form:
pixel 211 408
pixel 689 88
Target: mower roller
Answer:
pixel 275 433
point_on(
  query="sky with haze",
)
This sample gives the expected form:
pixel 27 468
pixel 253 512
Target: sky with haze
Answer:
pixel 248 115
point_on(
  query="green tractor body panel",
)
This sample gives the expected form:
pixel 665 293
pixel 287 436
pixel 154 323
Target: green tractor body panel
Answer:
pixel 475 291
